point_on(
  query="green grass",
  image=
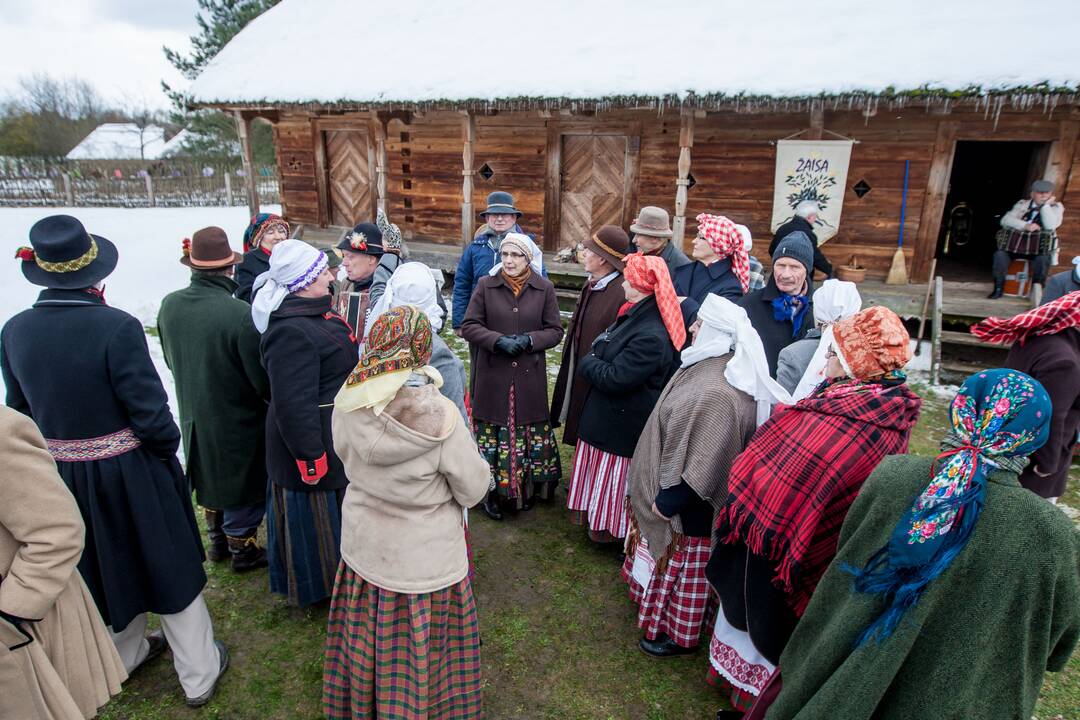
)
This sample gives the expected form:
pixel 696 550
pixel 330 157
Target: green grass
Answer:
pixel 559 633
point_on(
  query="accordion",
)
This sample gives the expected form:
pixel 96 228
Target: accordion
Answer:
pixel 1018 242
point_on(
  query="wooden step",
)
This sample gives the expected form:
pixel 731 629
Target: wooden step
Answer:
pixel 963 338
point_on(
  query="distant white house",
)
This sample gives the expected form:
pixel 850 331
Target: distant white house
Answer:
pixel 121 141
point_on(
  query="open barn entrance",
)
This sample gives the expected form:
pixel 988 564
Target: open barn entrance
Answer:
pixel 987 178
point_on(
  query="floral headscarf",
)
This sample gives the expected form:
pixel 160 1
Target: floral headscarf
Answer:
pixel 998 418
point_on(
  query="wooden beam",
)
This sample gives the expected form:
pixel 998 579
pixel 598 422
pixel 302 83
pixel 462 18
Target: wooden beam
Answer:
pixel 553 186
pixel 631 171
pixel 817 121
pixel 381 163
pixel 933 207
pixel 243 129
pixel 1060 160
pixel 322 173
pixel 682 182
pixel 468 173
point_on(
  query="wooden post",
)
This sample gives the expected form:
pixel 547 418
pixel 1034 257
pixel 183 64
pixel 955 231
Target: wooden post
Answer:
pixel 933 207
pixel 69 196
pixel 381 164
pixel 553 186
pixel 817 121
pixel 686 143
pixel 935 356
pixel 150 190
pixel 1059 161
pixel 243 129
pixel 228 188
pixel 468 136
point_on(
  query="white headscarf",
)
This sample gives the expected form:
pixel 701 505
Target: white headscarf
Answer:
pixel 413 283
pixel 747 238
pixel 1076 268
pixel 293 266
pixel 834 300
pixel 724 325
pixel 536 258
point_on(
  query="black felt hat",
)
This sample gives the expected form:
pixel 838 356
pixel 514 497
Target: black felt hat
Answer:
pixel 500 203
pixel 63 255
pixel 365 238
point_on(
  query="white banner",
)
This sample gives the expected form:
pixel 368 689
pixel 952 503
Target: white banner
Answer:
pixel 811 170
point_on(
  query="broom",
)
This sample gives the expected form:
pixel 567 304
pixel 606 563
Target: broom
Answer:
pixel 898 272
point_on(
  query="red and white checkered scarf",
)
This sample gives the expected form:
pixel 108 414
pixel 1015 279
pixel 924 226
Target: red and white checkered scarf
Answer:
pixel 649 274
pixel 726 241
pixel 1053 317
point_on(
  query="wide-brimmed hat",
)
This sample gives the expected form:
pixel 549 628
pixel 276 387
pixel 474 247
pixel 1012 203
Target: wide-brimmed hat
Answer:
pixel 209 249
pixel 611 243
pixel 500 203
pixel 63 255
pixel 365 238
pixel 653 222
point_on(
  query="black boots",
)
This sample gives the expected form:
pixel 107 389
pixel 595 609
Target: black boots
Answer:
pixel 219 545
pixel 663 647
pixel 490 505
pixel 246 554
pixel 999 288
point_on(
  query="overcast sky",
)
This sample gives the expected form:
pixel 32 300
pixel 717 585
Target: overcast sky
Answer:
pixel 113 44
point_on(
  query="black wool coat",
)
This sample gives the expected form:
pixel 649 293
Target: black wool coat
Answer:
pixel 775 334
pixel 1053 360
pixel 696 280
pixel 493 312
pixel 308 352
pixel 255 263
pixel 628 367
pixel 82 370
pixel 802 225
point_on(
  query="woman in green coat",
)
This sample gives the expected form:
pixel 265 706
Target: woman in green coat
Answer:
pixel 943 601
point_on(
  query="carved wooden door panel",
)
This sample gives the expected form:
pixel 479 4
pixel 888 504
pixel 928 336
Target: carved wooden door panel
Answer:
pixel 592 188
pixel 349 170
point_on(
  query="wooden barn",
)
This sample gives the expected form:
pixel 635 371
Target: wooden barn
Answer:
pixel 587 111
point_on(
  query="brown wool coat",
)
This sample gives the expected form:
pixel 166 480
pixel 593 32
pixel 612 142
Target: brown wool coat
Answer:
pixel 595 312
pixel 71 668
pixel 494 312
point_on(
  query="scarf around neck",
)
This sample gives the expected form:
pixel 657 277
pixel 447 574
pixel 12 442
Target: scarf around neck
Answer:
pixel 790 308
pixel 517 283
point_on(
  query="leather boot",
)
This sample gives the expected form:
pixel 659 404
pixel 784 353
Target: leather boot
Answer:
pixel 999 288
pixel 219 545
pixel 491 505
pixel 246 554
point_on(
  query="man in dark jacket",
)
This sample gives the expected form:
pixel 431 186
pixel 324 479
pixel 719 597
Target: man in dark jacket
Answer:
pixel 806 216
pixel 500 218
pixel 361 250
pixel 781 312
pixel 82 371
pixel 212 348
pixel 652 236
pixel 1062 283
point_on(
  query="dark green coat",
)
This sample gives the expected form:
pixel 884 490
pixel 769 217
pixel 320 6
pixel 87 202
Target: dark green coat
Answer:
pixel 978 643
pixel 212 348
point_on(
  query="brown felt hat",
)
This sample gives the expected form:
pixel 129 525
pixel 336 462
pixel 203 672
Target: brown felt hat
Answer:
pixel 652 221
pixel 209 250
pixel 611 243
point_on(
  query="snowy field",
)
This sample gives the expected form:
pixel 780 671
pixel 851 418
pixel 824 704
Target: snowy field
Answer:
pixel 148 240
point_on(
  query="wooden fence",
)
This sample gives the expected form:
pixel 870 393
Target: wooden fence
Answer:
pixel 65 190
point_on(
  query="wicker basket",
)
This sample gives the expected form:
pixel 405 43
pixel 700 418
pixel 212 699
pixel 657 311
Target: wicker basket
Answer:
pixel 851 273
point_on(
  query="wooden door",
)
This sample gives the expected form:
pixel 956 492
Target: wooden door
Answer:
pixel 348 166
pixel 592 185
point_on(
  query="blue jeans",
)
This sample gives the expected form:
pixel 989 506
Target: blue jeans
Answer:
pixel 243 521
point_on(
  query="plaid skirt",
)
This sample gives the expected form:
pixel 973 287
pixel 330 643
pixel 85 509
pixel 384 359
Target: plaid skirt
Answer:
pixel 679 598
pixel 396 656
pixel 524 459
pixel 303 541
pixel 597 495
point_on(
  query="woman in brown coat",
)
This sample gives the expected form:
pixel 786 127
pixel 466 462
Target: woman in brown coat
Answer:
pixel 513 317
pixel 57 661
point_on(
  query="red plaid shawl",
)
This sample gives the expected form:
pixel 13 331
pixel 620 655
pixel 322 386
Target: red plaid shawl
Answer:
pixel 1053 317
pixel 789 491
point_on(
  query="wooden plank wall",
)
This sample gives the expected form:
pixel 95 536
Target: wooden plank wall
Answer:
pixel 732 163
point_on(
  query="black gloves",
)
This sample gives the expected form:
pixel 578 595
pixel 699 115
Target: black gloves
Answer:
pixel 513 345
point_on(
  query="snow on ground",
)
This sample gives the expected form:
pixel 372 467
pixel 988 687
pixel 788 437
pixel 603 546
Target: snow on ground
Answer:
pixel 148 240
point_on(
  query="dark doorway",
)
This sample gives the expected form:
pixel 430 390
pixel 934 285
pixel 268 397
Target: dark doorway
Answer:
pixel 987 178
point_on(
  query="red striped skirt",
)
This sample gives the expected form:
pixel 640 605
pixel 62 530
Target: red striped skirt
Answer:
pixel 679 598
pixel 396 656
pixel 597 495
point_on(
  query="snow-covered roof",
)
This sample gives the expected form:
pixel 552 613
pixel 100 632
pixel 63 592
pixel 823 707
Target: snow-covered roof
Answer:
pixel 120 141
pixel 175 144
pixel 365 52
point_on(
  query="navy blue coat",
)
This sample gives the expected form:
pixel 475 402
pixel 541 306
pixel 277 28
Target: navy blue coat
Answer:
pixel 628 367
pixel 476 262
pixel 308 352
pixel 82 370
pixel 255 263
pixel 696 280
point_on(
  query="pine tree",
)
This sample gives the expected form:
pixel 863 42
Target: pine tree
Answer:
pixel 212 134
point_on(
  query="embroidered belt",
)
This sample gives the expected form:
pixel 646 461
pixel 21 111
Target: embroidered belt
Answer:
pixel 98 448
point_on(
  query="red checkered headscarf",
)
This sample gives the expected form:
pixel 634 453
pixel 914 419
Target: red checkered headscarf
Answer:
pixel 649 274
pixel 726 241
pixel 1053 317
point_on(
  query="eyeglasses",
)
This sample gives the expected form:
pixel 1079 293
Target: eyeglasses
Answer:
pixel 508 254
